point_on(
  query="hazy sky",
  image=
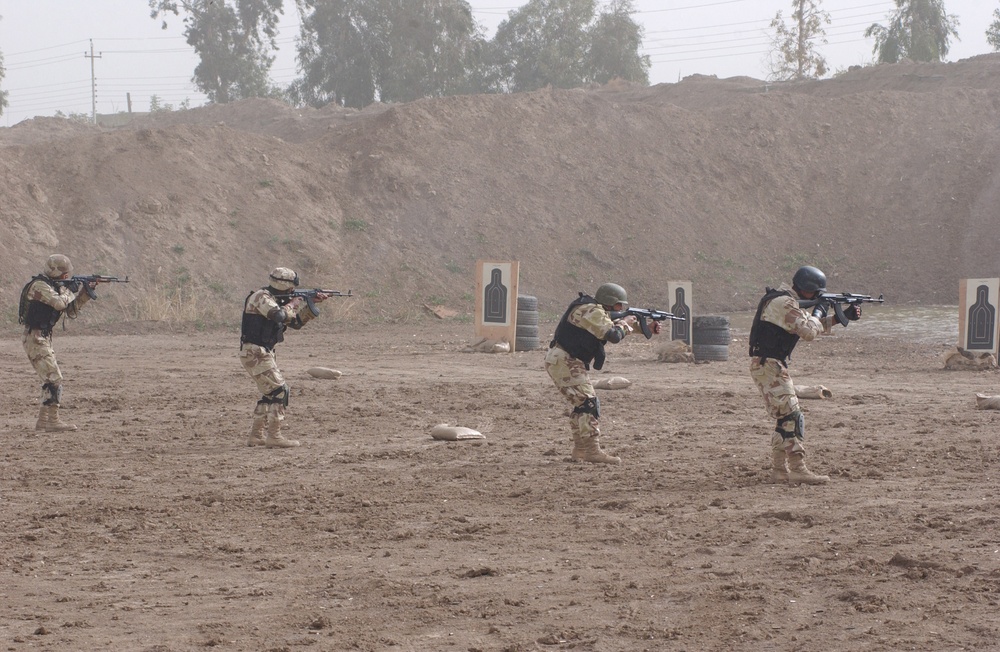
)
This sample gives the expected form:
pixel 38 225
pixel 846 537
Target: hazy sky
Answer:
pixel 44 43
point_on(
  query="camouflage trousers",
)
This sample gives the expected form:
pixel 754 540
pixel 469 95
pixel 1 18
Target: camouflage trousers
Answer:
pixel 570 378
pixel 263 368
pixel 775 385
pixel 43 359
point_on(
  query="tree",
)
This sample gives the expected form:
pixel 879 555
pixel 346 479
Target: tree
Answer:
pixel 3 93
pixel 559 42
pixel 233 39
pixel 993 32
pixel 615 41
pixel 353 52
pixel 793 54
pixel 544 42
pixel 918 30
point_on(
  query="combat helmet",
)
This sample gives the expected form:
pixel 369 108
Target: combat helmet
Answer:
pixel 283 279
pixel 57 265
pixel 609 294
pixel 809 279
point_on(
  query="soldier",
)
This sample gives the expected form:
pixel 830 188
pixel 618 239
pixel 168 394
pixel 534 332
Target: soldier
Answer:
pixel 777 327
pixel 267 312
pixel 579 341
pixel 44 300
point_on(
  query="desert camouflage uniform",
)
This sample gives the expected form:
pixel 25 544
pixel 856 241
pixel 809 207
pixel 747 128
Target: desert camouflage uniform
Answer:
pixel 260 363
pixel 38 344
pixel 570 374
pixel 771 376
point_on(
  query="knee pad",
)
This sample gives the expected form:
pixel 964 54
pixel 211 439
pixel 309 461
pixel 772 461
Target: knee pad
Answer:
pixel 51 394
pixel 592 405
pixel 279 395
pixel 799 425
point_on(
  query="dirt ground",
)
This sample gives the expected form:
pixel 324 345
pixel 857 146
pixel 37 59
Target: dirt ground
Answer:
pixel 153 528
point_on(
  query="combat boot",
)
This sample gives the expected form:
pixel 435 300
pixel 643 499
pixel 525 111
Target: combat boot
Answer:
pixel 588 449
pixel 256 436
pixel 277 440
pixel 802 475
pixel 49 421
pixel 274 437
pixel 779 467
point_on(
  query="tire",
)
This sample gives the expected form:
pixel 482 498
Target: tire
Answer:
pixel 525 344
pixel 710 321
pixel 716 337
pixel 526 302
pixel 526 331
pixel 710 352
pixel 710 338
pixel 527 318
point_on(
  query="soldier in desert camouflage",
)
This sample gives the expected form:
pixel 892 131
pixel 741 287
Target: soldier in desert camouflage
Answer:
pixel 267 313
pixel 776 329
pixel 46 298
pixel 579 341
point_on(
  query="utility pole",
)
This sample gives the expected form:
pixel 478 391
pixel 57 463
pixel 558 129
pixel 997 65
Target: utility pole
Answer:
pixel 93 82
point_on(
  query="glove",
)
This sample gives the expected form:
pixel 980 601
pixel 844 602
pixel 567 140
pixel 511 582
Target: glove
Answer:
pixel 819 311
pixel 853 312
pixel 72 286
pixel 654 328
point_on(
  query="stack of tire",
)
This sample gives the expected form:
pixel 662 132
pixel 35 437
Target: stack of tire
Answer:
pixel 710 338
pixel 526 337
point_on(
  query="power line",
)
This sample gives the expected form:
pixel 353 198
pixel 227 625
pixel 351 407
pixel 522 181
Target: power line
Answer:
pixel 756 38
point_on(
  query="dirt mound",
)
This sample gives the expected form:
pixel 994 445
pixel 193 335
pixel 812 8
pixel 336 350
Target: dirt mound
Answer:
pixel 886 177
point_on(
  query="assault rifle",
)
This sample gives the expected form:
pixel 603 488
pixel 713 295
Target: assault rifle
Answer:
pixel 310 296
pixel 642 314
pixel 74 283
pixel 838 301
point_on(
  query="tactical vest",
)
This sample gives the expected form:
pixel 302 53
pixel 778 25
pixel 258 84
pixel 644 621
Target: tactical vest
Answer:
pixel 576 341
pixel 35 314
pixel 258 329
pixel 769 340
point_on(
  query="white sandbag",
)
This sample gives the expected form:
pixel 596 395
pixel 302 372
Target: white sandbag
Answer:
pixel 813 391
pixel 616 382
pixel 987 402
pixel 445 432
pixel 324 372
pixel 486 345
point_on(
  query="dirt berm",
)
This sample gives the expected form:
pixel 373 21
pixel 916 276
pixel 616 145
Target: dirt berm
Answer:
pixel 886 177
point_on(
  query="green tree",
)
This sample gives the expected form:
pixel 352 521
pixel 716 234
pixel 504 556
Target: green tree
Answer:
pixel 353 52
pixel 793 55
pixel 544 42
pixel 919 30
pixel 993 32
pixel 233 39
pixel 564 43
pixel 615 41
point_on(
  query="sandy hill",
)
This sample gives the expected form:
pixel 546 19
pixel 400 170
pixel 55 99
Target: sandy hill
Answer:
pixel 886 177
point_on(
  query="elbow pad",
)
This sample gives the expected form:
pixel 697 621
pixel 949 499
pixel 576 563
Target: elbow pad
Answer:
pixel 615 335
pixel 278 316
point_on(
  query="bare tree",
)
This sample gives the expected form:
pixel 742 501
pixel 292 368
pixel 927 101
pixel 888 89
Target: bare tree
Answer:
pixel 793 54
pixel 3 93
